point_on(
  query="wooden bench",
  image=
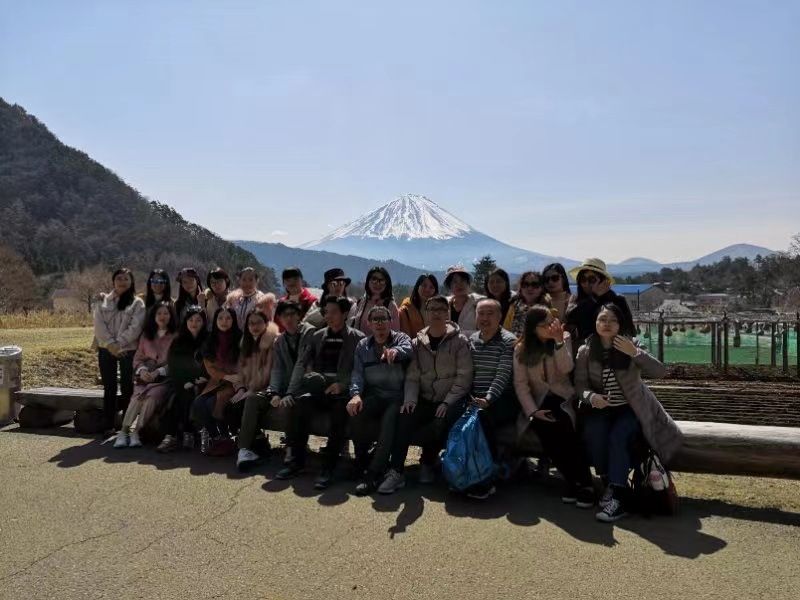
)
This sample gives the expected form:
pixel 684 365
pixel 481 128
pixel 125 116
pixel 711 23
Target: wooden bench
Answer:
pixel 718 448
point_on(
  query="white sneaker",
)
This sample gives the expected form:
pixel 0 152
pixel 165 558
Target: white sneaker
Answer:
pixel 607 496
pixel 205 441
pixel 134 442
pixel 392 482
pixel 245 459
pixel 122 440
pixel 427 474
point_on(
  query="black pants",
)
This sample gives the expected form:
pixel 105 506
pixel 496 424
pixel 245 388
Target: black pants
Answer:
pixel 108 374
pixel 430 430
pixel 561 442
pixel 362 429
pixel 178 416
pixel 503 412
pixel 302 416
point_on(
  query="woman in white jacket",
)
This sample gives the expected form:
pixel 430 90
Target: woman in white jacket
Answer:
pixel 462 303
pixel 118 322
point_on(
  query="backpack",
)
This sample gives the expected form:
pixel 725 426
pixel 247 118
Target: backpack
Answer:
pixel 653 490
pixel 467 460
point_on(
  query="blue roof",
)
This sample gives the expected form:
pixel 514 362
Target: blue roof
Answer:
pixel 624 289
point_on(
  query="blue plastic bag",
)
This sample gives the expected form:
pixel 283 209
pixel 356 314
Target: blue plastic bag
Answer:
pixel 467 460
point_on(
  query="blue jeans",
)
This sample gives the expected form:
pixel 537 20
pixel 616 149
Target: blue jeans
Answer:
pixel 203 413
pixel 609 434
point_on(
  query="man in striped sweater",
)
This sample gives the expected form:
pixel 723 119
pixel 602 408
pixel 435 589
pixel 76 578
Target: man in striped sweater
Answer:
pixel 492 383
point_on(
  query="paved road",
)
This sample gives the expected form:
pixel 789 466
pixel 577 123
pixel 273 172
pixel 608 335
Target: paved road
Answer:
pixel 81 520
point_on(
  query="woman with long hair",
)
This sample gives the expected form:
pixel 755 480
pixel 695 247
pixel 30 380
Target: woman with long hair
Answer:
pixel 377 292
pixel 150 371
pixel 461 301
pixel 542 368
pixel 594 290
pixel 530 294
pixel 221 361
pixel 609 369
pixel 247 297
pixel 498 287
pixel 255 367
pixel 190 292
pixel 218 286
pixel 118 320
pixel 158 288
pixel 412 314
pixel 556 285
pixel 186 374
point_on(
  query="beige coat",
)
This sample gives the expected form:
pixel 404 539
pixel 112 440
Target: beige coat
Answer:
pixel 122 327
pixel 255 370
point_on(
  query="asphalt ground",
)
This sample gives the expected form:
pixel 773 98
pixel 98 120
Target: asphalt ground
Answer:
pixel 79 519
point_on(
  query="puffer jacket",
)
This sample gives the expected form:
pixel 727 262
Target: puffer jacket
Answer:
pixel 441 376
pixel 122 327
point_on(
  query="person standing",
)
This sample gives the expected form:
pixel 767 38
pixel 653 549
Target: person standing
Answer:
pixel 247 298
pixel 556 286
pixel 218 286
pixel 190 292
pixel 462 302
pixel 118 321
pixel 292 278
pixel 158 288
pixel 498 287
pixel 412 314
pixel 335 285
pixel 531 292
pixel 378 292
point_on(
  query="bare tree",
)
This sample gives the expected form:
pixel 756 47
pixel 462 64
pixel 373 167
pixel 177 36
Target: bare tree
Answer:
pixel 89 283
pixel 20 288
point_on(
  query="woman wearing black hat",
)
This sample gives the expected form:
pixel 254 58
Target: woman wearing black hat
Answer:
pixel 335 284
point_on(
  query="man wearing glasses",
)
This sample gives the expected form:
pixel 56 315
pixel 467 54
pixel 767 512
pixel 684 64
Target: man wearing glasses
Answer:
pixel 376 389
pixel 437 382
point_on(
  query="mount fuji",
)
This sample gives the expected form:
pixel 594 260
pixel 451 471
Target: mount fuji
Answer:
pixel 419 232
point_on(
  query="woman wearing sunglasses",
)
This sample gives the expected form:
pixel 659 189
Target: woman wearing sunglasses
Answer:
pixel 158 288
pixel 594 290
pixel 378 292
pixel 529 295
pixel 556 284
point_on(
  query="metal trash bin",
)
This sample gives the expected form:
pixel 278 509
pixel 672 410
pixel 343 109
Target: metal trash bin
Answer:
pixel 10 382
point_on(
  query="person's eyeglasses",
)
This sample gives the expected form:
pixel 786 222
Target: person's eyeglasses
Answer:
pixel 379 320
pixel 158 281
pixel 553 278
pixel 530 284
pixel 591 280
pixel 378 280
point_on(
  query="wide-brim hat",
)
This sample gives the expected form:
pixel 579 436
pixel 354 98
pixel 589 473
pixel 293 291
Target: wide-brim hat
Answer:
pixel 456 270
pixel 334 274
pixel 592 264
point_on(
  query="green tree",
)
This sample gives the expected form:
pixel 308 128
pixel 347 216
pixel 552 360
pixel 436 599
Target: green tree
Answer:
pixel 480 272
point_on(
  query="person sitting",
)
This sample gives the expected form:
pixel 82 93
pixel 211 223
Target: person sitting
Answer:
pixel 531 293
pixel 376 390
pixel 335 285
pixel 438 380
pixel 492 389
pixel 190 292
pixel 608 378
pixel 594 290
pixel 246 298
pixel 255 367
pixel 542 368
pixel 150 372
pixel 321 381
pixel 211 409
pixel 461 301
pixel 292 278
pixel 158 288
pixel 186 375
pixel 412 314
pixel 498 287
pixel 378 292
pixel 218 286
pixel 257 405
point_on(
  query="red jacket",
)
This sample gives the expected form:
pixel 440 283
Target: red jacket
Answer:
pixel 306 299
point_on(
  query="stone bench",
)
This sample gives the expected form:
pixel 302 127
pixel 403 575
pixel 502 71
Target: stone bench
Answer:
pixel 718 448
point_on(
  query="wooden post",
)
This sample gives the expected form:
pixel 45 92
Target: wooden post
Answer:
pixel 758 334
pixel 773 348
pixel 713 344
pixel 785 348
pixel 725 327
pixel 797 341
pixel 661 336
pixel 719 345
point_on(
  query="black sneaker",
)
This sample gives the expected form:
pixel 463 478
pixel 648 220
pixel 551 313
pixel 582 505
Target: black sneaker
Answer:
pixel 290 471
pixel 586 498
pixel 482 491
pixel 324 479
pixel 570 494
pixel 613 511
pixel 366 487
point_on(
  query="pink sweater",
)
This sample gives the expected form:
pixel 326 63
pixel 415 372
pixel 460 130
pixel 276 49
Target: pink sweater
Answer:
pixel 531 385
pixel 154 352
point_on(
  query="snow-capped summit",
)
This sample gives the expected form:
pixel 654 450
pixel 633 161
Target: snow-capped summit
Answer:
pixel 409 217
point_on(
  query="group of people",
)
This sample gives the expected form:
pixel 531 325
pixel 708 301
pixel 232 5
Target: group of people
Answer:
pixel 217 362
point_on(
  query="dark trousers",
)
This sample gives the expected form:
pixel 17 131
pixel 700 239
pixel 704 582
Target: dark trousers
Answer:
pixel 203 415
pixel 178 417
pixel 561 443
pixel 430 430
pixel 362 428
pixel 256 409
pixel 503 412
pixel 610 434
pixel 108 374
pixel 302 416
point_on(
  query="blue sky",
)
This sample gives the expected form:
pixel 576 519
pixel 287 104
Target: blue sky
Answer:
pixel 610 129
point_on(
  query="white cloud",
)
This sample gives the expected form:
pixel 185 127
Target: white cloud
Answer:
pixel 279 233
